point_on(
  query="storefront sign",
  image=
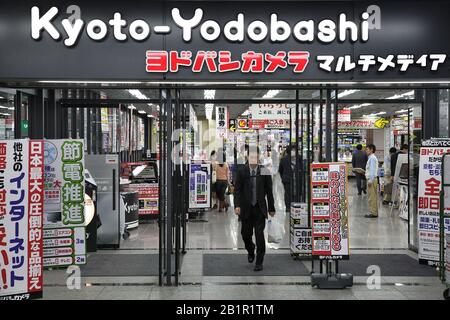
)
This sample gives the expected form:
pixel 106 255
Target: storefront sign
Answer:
pixel 344 115
pixel 428 202
pixel 301 239
pixel 269 111
pixel 363 123
pixel 148 197
pixel 222 119
pixel 329 210
pixel 21 208
pixel 210 40
pixel 199 186
pixel 64 208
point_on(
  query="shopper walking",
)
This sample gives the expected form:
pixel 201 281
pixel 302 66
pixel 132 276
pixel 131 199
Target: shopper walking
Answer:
pixel 372 181
pixel 359 161
pixel 286 171
pixel 388 177
pixel 223 180
pixel 213 159
pixel 251 190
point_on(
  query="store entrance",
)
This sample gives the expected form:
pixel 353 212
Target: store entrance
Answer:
pixel 130 181
pixel 188 132
pixel 395 130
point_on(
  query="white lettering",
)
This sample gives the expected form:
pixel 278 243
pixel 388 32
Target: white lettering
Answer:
pixel 327 31
pixel 44 22
pixel 237 26
pixel 187 25
pixel 102 31
pixel 365 27
pixel 345 25
pixel 210 25
pixel 277 25
pixel 118 23
pixel 254 27
pixel 73 31
pixel 302 26
pixel 143 34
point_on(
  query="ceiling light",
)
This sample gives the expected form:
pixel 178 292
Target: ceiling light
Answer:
pixel 138 94
pixel 399 96
pixel 2 97
pixel 12 108
pixel 271 94
pixel 131 107
pixel 149 116
pixel 346 93
pixel 142 112
pixel 3 107
pixel 360 105
pixel 402 111
pixel 209 94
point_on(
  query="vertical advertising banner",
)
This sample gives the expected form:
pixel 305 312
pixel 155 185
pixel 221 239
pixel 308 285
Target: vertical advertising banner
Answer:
pixel 64 216
pixel 301 236
pixel 428 202
pixel 21 208
pixel 199 186
pixel 222 121
pixel 329 210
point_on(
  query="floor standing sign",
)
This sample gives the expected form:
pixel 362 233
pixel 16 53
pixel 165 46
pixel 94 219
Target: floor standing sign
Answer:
pixel 329 210
pixel 199 185
pixel 21 207
pixel 428 203
pixel 64 217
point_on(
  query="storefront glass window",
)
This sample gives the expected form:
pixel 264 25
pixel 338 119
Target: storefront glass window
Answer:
pixel 6 115
pixel 444 109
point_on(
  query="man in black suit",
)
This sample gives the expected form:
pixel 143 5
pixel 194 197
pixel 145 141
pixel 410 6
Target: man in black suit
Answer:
pixel 252 187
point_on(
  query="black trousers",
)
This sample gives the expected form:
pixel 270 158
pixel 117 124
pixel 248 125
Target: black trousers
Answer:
pixel 360 182
pixel 257 221
pixel 287 196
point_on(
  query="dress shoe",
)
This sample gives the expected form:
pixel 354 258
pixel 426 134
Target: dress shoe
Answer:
pixel 365 192
pixel 251 258
pixel 258 267
pixel 369 215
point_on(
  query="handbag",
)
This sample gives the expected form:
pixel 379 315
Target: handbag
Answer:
pixel 214 176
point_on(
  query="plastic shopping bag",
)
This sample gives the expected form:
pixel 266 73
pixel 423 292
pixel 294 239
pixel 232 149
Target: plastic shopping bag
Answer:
pixel 274 231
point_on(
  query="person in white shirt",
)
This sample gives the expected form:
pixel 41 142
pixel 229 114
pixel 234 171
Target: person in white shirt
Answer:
pixel 372 181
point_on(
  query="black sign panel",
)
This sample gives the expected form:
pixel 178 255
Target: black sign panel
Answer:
pixel 242 41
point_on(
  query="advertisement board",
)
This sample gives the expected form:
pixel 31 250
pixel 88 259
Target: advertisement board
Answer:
pixel 21 208
pixel 64 210
pixel 272 111
pixel 301 237
pixel 148 197
pixel 329 210
pixel 199 185
pixel 428 202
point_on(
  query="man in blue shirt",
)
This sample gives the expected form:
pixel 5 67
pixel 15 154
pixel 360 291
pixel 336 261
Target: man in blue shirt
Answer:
pixel 372 181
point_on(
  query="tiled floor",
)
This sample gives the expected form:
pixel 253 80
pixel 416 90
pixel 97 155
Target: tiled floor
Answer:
pixel 221 234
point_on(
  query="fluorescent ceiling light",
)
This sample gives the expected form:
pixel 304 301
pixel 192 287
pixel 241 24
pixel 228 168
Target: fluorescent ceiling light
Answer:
pixel 402 111
pixel 346 93
pixel 142 112
pixel 12 108
pixel 3 107
pixel 131 107
pixel 209 94
pixel 374 114
pixel 271 94
pixel 399 96
pixel 138 94
pixel 360 105
pixel 149 116
pixel 2 97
